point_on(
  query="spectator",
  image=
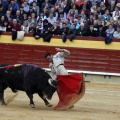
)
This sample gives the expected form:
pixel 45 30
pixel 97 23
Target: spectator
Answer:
pixel 15 26
pixel 33 18
pixel 103 8
pixel 25 27
pixel 81 31
pixel 117 33
pixel 32 28
pixel 49 5
pixel 116 13
pixel 51 19
pixel 42 16
pixel 99 20
pixel 36 8
pixel 26 6
pixel 110 31
pixel 56 28
pixel 29 21
pixel 101 31
pixel 72 32
pixel 106 16
pixel 90 20
pixel 64 31
pixel 14 6
pixel 5 4
pixel 18 16
pixel 92 32
pixel 8 15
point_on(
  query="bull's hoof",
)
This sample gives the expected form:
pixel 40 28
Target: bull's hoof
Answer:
pixel 49 105
pixel 32 105
pixel 71 107
pixel 14 90
pixel 4 104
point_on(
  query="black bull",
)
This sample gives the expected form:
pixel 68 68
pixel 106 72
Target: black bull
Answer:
pixel 29 78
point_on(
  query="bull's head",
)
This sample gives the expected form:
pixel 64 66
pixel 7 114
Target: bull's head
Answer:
pixel 50 89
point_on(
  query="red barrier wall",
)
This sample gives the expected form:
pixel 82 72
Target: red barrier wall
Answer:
pixel 97 60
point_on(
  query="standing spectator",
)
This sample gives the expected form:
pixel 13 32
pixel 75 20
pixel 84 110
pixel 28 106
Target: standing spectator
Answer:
pixel 117 33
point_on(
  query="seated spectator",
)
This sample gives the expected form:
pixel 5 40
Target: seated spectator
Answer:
pixel 42 16
pixel 82 30
pixel 5 4
pixel 32 28
pixel 103 8
pixel 118 22
pixel 24 17
pixel 29 21
pixel 95 24
pixel 25 27
pixel 106 16
pixel 101 31
pixel 51 19
pixel 8 15
pixel 14 5
pixel 25 6
pixel 49 5
pixel 64 31
pixel 111 8
pixel 33 18
pixel 15 26
pixel 116 13
pixel 110 31
pixel 92 32
pixel 5 24
pixel 39 30
pixel 72 32
pixel 35 8
pixel 90 20
pixel 2 19
pixel 22 10
pixel 77 24
pixel 56 28
pixel 116 34
pixel 99 20
pixel 18 16
pixel 71 13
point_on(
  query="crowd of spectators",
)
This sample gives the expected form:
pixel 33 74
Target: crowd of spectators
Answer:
pixel 68 18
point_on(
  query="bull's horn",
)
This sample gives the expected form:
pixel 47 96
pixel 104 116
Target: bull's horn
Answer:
pixel 50 82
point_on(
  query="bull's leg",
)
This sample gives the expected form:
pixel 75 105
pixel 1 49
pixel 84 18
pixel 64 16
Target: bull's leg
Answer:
pixel 2 94
pixel 45 100
pixel 30 95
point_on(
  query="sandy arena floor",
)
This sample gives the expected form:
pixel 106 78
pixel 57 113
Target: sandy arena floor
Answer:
pixel 100 102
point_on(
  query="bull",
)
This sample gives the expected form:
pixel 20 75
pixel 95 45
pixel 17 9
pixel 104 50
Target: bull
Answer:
pixel 28 78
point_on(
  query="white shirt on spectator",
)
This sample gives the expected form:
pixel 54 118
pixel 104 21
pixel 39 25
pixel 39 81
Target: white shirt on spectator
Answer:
pixel 116 34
